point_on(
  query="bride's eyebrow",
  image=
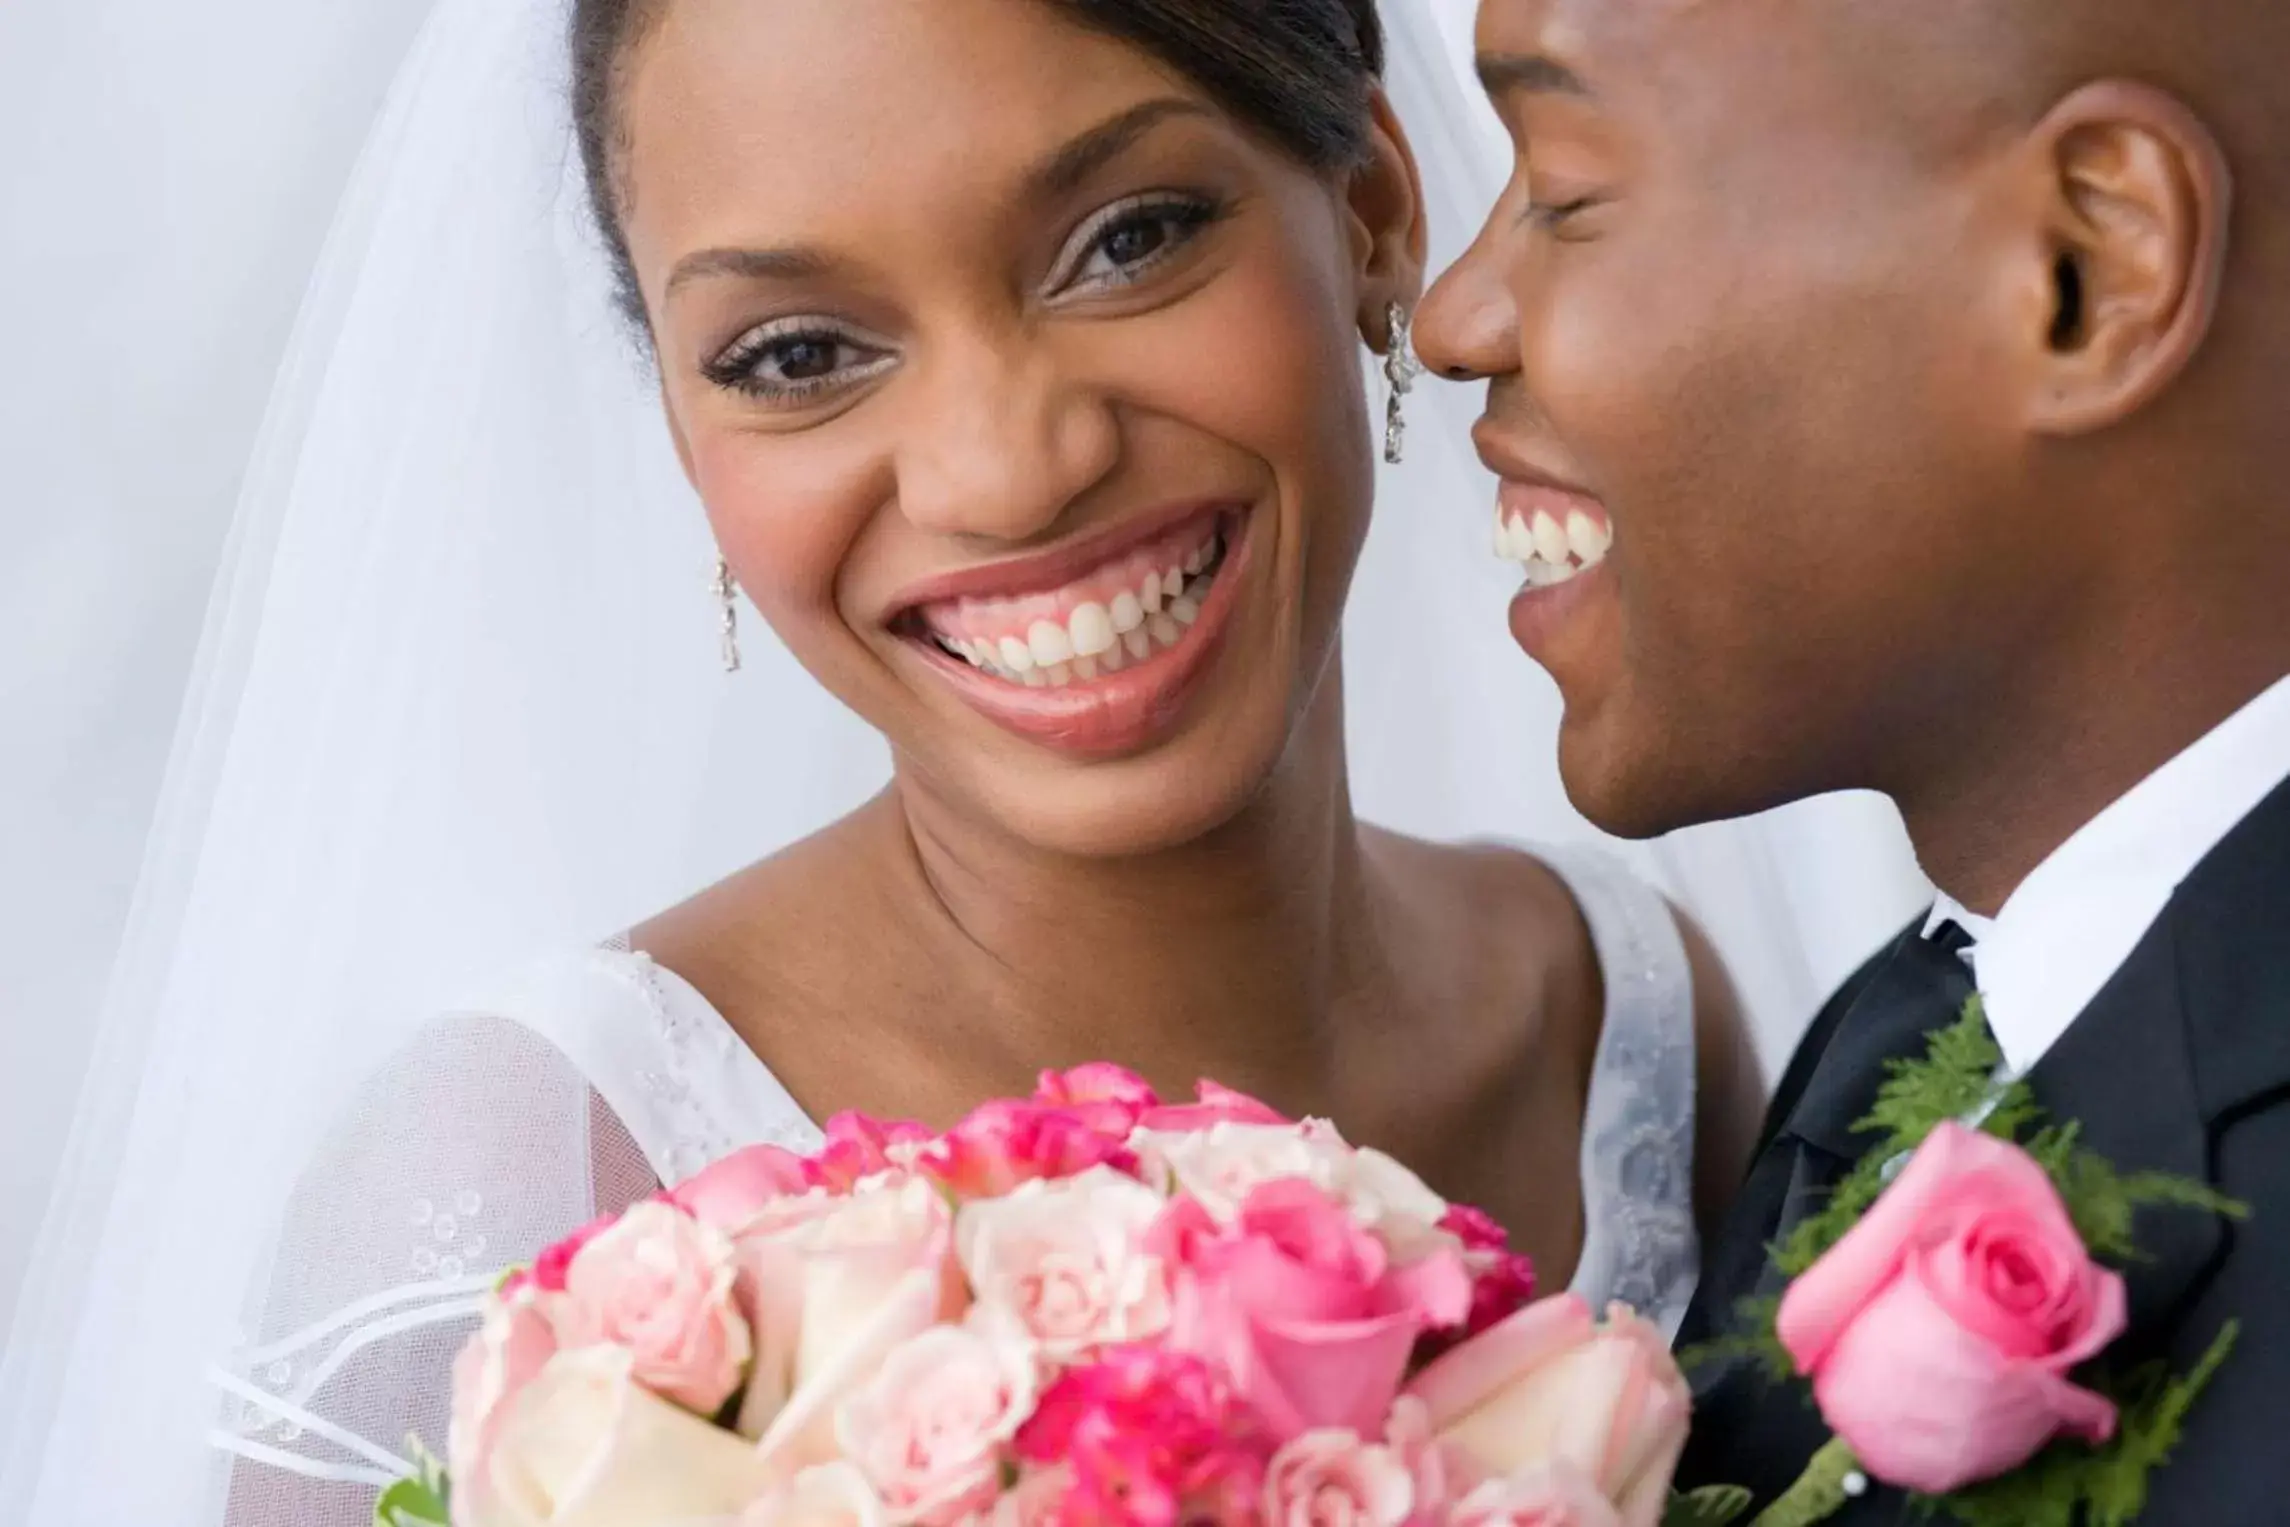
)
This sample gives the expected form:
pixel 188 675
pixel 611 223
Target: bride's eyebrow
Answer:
pixel 1058 174
pixel 1066 168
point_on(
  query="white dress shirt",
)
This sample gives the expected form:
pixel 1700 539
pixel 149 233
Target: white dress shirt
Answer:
pixel 2079 914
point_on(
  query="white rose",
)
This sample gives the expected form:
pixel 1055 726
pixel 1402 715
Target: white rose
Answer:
pixel 830 1495
pixel 1064 1261
pixel 585 1445
pixel 1221 1165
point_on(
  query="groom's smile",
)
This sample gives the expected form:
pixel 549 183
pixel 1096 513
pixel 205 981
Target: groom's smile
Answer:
pixel 1750 310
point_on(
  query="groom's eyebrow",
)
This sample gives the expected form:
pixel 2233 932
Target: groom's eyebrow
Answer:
pixel 1502 74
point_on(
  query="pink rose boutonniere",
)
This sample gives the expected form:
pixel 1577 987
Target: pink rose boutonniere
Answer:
pixel 1950 1303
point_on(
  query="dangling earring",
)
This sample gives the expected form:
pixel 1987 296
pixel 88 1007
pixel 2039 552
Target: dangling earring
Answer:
pixel 1400 371
pixel 724 589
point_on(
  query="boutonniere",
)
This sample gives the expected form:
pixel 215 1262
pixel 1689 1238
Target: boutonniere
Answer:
pixel 1953 1306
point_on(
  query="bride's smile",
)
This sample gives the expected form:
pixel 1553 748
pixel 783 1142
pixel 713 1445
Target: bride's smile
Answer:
pixel 1093 648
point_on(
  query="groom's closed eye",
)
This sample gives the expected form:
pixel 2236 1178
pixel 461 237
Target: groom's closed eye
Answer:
pixel 1505 74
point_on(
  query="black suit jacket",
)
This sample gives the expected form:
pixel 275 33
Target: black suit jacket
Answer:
pixel 2180 1064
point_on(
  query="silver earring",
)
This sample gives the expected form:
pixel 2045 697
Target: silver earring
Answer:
pixel 724 590
pixel 1400 371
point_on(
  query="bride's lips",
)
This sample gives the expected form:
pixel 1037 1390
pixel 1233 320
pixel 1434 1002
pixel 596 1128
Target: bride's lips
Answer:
pixel 1094 648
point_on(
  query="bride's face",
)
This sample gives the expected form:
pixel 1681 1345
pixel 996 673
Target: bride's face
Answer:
pixel 1023 388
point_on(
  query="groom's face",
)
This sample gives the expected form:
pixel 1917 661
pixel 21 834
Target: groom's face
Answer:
pixel 1739 295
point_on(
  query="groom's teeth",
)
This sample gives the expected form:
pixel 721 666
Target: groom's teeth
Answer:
pixel 1587 539
pixel 1550 538
pixel 1551 552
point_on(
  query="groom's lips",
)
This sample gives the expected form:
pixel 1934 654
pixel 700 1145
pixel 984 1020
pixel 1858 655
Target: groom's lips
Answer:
pixel 1543 620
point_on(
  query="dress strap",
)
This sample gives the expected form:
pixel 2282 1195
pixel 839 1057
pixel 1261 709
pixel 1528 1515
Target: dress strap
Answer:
pixel 1640 1245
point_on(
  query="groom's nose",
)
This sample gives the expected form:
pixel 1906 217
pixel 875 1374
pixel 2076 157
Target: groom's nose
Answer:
pixel 1467 326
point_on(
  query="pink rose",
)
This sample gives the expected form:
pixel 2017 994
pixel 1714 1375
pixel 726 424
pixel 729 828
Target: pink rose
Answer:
pixel 834 1286
pixel 858 1147
pixel 1107 1098
pixel 1940 1331
pixel 1214 1105
pixel 1004 1143
pixel 1333 1479
pixel 1066 1262
pixel 1553 1494
pixel 1151 1437
pixel 931 1429
pixel 659 1284
pixel 734 1190
pixel 496 1364
pixel 1551 1384
pixel 1302 1307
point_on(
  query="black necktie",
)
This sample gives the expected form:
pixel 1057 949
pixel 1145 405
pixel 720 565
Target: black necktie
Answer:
pixel 1744 1431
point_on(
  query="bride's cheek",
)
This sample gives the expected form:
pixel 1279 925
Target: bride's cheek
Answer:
pixel 793 519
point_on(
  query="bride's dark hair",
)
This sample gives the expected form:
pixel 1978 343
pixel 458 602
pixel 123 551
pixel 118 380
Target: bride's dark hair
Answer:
pixel 1298 71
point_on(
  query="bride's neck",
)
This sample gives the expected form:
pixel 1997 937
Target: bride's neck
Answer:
pixel 1226 955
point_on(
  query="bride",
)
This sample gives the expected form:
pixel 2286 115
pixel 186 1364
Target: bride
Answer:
pixel 1011 346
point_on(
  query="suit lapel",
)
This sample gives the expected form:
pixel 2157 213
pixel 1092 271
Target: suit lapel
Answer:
pixel 2192 1029
pixel 2124 1075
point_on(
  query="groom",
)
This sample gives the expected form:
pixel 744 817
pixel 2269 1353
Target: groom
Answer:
pixel 1930 363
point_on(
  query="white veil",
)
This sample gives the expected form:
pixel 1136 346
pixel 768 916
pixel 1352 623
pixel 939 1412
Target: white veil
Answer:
pixel 457 701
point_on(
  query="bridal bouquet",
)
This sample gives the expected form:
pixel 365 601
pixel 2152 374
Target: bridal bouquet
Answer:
pixel 1086 1307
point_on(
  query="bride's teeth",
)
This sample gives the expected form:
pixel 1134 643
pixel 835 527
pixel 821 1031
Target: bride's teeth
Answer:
pixel 1165 630
pixel 1185 610
pixel 1016 656
pixel 1139 643
pixel 1587 539
pixel 1060 674
pixel 1128 613
pixel 1091 629
pixel 1550 539
pixel 1196 561
pixel 1034 678
pixel 1049 643
pixel 1149 595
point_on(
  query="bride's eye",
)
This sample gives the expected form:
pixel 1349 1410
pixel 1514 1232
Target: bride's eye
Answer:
pixel 793 361
pixel 1120 244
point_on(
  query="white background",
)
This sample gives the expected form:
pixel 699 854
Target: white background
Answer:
pixel 170 170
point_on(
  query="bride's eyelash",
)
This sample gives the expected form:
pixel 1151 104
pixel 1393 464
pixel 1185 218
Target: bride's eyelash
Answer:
pixel 1550 215
pixel 737 367
pixel 1184 214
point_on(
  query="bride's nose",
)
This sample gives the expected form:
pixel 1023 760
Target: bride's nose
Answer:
pixel 1002 441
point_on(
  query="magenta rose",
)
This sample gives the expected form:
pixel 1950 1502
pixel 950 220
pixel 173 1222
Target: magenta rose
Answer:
pixel 1110 1099
pixel 1939 1333
pixel 1145 1435
pixel 1302 1306
pixel 858 1147
pixel 1213 1104
pixel 1003 1143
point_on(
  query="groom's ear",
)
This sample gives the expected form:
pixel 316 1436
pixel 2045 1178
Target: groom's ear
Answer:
pixel 1390 243
pixel 2133 193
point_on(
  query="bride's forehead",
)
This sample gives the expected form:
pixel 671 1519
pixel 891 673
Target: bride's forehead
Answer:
pixel 815 77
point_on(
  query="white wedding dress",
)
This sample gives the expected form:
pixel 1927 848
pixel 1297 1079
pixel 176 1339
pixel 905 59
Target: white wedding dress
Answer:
pixel 596 1076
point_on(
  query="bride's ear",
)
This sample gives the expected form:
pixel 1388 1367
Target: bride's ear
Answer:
pixel 1390 240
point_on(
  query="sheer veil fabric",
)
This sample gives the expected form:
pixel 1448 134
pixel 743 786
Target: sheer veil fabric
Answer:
pixel 457 703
